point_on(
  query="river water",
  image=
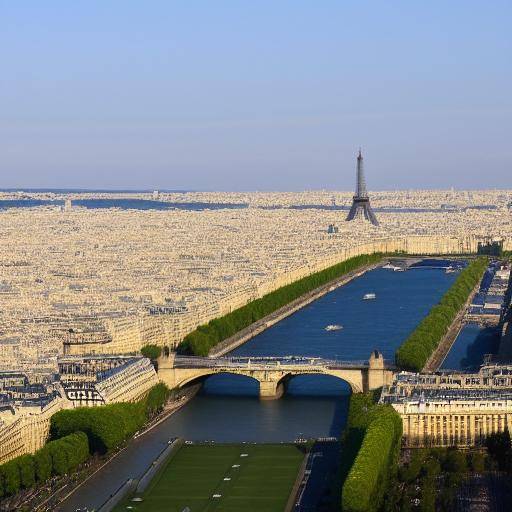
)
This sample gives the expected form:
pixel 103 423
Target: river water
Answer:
pixel 471 346
pixel 228 408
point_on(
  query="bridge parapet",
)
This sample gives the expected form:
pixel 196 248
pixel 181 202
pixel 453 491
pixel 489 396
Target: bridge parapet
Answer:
pixel 272 373
pixel 279 362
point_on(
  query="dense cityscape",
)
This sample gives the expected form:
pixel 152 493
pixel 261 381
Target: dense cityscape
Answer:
pixel 256 256
pixel 128 276
pixel 85 289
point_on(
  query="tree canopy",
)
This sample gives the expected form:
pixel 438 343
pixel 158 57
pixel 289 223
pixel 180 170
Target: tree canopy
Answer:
pixel 371 444
pixel 55 458
pixel 151 351
pixel 419 346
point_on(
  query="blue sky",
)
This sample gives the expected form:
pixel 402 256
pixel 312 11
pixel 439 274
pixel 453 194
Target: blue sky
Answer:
pixel 266 95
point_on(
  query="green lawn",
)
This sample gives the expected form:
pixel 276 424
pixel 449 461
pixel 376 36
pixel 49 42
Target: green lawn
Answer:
pixel 262 482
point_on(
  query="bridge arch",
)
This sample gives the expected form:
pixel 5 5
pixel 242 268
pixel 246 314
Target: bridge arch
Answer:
pixel 355 384
pixel 271 384
pixel 204 375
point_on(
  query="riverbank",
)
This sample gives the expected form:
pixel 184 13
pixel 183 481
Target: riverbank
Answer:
pixel 445 345
pixel 423 342
pixel 268 321
pixel 65 487
pixel 207 336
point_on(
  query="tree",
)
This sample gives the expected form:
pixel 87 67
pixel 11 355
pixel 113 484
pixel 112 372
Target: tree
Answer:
pixel 365 485
pixel 477 462
pixel 412 471
pixel 499 448
pixel 56 457
pixel 446 498
pixel 60 464
pixel 151 351
pixel 156 399
pixel 43 464
pixel 455 461
pixel 27 471
pixel 107 426
pixel 428 497
pixel 431 468
pixel 12 479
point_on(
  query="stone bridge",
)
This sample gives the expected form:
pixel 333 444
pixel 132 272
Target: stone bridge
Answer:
pixel 272 373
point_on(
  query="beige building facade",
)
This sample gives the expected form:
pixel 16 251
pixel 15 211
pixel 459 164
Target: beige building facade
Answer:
pixel 452 408
pixel 168 328
pixel 453 422
pixel 25 429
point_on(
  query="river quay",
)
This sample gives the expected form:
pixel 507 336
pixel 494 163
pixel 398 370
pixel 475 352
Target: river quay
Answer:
pixel 445 345
pixel 258 327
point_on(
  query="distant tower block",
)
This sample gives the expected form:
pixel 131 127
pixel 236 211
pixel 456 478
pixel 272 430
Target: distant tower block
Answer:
pixel 361 208
pixel 156 195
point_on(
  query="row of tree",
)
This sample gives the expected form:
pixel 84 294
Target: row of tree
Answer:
pixel 200 341
pixel 55 458
pixel 108 426
pixel 419 346
pixel 372 445
pixel 77 433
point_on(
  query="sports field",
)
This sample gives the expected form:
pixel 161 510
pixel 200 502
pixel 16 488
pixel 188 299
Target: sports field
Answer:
pixel 235 478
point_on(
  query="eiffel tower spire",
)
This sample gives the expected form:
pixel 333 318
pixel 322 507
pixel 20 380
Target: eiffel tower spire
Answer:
pixel 361 207
pixel 361 182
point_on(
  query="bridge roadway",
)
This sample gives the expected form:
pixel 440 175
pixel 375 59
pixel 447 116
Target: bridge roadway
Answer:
pixel 272 373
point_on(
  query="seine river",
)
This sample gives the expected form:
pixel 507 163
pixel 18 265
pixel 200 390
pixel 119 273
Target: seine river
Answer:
pixel 228 407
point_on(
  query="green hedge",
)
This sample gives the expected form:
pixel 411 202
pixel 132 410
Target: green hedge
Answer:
pixel 372 442
pixel 107 426
pixel 76 433
pixel 200 341
pixel 156 399
pixel 151 351
pixel 413 354
pixel 55 458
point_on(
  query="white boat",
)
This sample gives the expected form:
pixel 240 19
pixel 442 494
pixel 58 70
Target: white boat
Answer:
pixel 333 327
pixel 390 266
pixel 369 296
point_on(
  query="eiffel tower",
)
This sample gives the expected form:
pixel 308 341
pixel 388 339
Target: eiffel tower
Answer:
pixel 361 208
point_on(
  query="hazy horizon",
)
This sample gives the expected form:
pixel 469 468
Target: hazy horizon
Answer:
pixel 213 191
pixel 264 96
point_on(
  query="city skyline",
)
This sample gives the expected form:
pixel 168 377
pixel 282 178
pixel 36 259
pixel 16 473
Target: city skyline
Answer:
pixel 256 256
